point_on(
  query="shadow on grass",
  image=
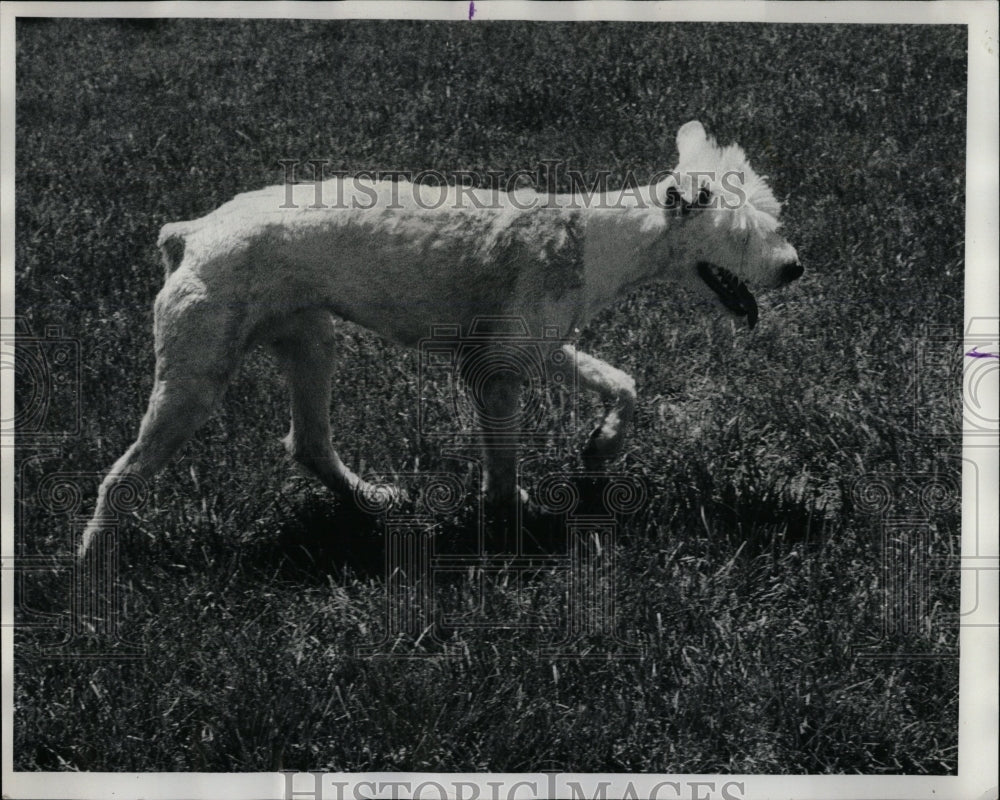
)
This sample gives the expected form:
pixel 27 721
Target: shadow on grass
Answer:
pixel 751 512
pixel 317 535
pixel 749 509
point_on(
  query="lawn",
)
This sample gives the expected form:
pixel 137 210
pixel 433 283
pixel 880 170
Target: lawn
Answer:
pixel 758 591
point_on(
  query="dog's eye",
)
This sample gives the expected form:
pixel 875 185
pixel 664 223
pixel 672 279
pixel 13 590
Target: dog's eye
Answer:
pixel 676 202
pixel 674 199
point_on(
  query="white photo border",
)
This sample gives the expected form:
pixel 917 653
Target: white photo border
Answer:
pixel 978 742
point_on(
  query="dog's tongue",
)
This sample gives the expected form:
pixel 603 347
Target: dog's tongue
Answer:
pixel 732 292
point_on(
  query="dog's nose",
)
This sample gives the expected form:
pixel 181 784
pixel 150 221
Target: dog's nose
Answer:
pixel 791 271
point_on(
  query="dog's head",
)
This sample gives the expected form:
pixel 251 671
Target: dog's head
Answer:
pixel 724 228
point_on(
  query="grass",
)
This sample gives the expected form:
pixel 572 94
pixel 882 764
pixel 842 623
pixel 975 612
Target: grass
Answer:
pixel 751 576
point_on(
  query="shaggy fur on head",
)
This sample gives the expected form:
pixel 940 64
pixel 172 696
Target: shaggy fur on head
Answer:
pixel 728 175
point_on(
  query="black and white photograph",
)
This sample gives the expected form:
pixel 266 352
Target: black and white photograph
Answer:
pixel 499 400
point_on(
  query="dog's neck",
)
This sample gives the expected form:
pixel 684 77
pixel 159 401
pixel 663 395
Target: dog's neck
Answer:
pixel 627 245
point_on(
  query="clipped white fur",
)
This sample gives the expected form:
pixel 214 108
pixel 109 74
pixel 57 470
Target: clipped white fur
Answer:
pixel 255 272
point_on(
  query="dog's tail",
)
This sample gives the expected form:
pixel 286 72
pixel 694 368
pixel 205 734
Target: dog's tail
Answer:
pixel 171 244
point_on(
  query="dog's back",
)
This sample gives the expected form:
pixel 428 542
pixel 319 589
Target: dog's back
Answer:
pixel 387 255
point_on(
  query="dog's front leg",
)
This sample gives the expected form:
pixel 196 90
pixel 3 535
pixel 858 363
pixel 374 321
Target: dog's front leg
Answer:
pixel 495 392
pixel 617 390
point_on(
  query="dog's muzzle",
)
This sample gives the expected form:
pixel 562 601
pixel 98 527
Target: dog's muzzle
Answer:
pixel 733 293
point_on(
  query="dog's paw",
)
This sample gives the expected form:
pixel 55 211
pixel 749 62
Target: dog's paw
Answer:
pixel 596 450
pixel 601 446
pixel 379 497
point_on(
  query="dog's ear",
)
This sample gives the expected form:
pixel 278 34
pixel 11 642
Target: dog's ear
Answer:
pixel 690 138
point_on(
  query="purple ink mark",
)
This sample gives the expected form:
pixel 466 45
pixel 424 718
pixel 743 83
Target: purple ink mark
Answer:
pixel 973 353
pixel 472 8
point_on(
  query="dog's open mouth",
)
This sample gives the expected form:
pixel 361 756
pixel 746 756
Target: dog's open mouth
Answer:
pixel 731 291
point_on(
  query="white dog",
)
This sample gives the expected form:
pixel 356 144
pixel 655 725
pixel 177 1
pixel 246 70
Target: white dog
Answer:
pixel 263 270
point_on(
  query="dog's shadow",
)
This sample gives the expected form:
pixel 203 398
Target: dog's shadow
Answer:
pixel 316 535
pixel 313 535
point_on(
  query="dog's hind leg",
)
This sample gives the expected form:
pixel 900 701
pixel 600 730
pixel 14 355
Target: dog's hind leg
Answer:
pixel 304 348
pixel 197 352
